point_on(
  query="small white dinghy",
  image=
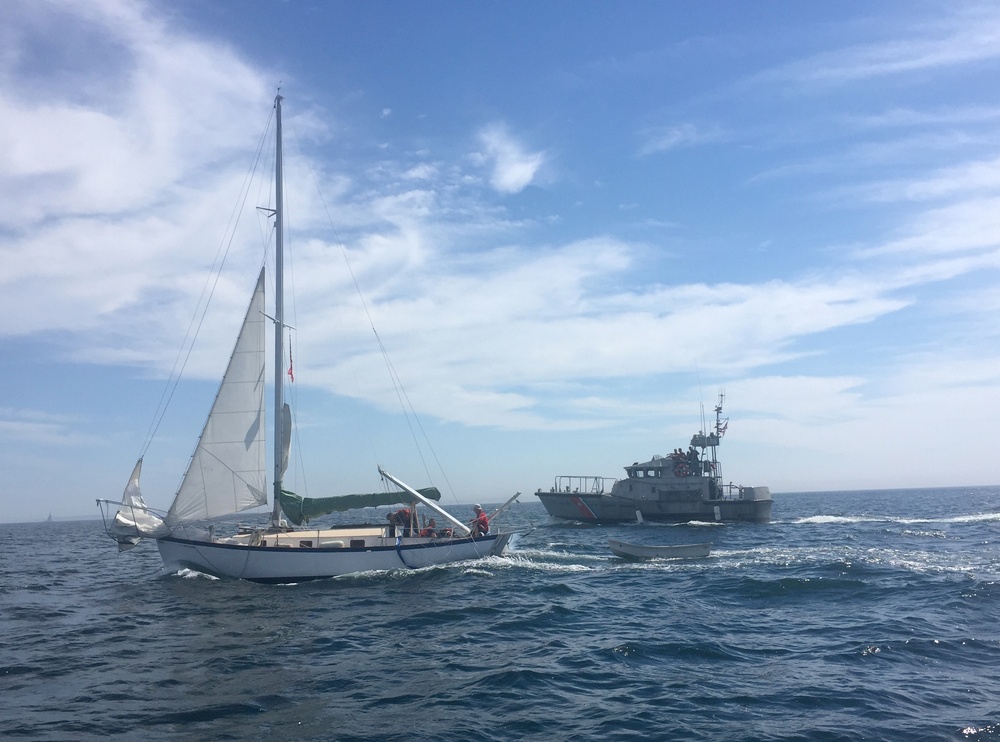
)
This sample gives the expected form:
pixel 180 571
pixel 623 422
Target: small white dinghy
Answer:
pixel 642 551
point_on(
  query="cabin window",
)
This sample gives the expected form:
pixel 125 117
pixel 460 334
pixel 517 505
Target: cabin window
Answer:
pixel 306 544
pixel 357 543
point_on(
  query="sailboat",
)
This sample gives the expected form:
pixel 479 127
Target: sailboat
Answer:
pixel 226 476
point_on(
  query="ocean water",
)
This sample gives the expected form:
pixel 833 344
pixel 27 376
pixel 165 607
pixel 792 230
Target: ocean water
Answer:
pixel 852 616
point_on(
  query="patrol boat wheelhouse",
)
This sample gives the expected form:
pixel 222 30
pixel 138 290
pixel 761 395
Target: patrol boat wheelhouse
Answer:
pixel 677 488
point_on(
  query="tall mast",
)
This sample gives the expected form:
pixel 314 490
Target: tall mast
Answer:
pixel 279 312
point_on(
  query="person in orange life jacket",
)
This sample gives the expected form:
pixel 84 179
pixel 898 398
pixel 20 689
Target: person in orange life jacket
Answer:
pixel 480 524
pixel 431 529
pixel 401 519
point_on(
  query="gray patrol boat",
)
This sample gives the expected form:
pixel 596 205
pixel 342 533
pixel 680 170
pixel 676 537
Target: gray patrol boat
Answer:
pixel 681 487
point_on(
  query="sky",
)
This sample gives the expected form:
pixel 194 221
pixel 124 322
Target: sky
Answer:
pixel 571 224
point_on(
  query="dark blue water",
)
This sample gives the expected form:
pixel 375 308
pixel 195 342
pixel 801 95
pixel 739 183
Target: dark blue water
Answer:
pixel 853 616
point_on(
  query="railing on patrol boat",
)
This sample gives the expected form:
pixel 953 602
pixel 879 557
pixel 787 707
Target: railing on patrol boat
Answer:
pixel 578 485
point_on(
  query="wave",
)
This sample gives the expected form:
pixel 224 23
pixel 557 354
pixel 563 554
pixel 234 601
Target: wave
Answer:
pixel 553 561
pixel 856 519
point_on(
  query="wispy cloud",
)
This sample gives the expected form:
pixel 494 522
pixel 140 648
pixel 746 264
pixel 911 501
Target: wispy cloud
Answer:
pixel 961 38
pixel 965 226
pixel 666 138
pixel 39 427
pixel 895 118
pixel 968 178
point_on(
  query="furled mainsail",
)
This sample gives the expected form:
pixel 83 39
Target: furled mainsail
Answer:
pixel 300 509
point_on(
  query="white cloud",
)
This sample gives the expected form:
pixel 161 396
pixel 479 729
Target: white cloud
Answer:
pixel 964 226
pixel 514 168
pixel 485 344
pixel 117 151
pixel 977 176
pixel 104 188
pixel 801 433
pixel 423 171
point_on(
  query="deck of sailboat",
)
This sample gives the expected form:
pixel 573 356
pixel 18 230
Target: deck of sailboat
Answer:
pixel 339 537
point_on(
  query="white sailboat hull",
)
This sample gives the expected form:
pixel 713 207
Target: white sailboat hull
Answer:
pixel 289 564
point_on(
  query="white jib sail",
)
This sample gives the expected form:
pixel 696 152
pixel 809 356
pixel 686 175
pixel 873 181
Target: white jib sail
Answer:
pixel 133 520
pixel 226 474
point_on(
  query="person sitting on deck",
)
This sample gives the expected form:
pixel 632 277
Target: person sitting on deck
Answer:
pixel 480 525
pixel 430 530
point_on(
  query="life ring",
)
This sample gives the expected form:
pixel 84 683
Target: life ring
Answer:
pixel 681 470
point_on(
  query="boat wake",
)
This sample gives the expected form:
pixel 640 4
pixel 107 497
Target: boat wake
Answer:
pixel 184 573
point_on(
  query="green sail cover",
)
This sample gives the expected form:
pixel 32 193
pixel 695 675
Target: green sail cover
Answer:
pixel 300 509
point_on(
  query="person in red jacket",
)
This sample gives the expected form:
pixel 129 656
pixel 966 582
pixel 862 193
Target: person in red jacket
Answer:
pixel 400 519
pixel 480 525
pixel 431 529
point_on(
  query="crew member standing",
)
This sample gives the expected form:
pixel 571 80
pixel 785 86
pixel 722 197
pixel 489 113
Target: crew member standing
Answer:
pixel 401 519
pixel 480 525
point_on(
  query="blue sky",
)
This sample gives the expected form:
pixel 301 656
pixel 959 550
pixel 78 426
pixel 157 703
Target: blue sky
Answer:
pixel 573 224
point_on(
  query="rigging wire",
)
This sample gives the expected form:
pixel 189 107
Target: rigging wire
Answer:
pixel 207 292
pixel 408 409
